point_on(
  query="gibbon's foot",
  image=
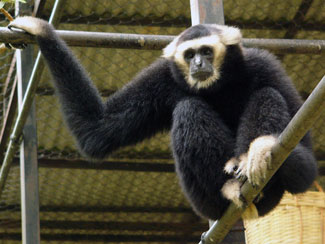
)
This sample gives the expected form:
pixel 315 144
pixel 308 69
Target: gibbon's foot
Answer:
pixel 258 159
pixel 231 191
pixel 31 25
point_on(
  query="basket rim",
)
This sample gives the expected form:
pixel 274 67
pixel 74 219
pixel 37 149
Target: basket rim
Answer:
pixel 309 198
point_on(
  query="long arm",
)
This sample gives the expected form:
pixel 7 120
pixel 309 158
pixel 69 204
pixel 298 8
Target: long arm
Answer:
pixel 201 144
pixel 137 111
pixel 267 114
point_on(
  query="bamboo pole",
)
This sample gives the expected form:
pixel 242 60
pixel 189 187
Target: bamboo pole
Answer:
pixel 287 141
pixel 157 42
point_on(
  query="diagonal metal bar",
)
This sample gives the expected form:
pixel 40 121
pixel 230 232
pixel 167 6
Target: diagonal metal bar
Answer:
pixel 26 105
pixel 9 116
pixel 289 138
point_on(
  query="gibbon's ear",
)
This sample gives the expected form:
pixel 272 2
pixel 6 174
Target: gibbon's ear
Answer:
pixel 170 50
pixel 229 35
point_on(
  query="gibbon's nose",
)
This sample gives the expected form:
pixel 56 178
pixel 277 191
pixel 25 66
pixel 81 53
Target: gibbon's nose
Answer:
pixel 198 61
pixel 201 69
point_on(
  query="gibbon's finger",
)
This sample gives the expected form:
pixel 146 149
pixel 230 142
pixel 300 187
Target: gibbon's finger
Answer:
pixel 259 158
pixel 16 45
pixel 241 177
pixel 231 166
pixel 16 29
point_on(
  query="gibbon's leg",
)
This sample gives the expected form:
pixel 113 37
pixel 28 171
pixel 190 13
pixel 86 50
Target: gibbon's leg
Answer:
pixel 201 145
pixel 265 117
pixel 299 170
pixel 231 189
pixel 140 109
pixel 269 198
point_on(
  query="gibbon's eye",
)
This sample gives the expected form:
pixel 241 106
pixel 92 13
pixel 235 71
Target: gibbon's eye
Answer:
pixel 189 54
pixel 206 51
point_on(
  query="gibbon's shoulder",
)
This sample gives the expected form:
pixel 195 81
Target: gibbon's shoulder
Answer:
pixel 155 81
pixel 265 67
pixel 261 59
pixel 265 70
pixel 159 69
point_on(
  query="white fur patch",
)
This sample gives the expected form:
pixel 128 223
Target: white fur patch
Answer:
pixel 170 49
pixel 30 24
pixel 231 191
pixel 229 35
pixel 210 41
pixel 259 158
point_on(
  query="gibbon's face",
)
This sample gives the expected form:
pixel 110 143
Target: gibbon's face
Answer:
pixel 199 52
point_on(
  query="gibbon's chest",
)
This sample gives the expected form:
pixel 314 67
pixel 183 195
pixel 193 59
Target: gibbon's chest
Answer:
pixel 230 107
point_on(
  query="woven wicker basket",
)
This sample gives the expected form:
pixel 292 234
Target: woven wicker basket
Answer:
pixel 298 219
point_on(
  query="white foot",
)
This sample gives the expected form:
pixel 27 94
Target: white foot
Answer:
pixel 231 191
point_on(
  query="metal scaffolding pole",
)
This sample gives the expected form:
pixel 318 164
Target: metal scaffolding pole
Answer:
pixel 157 42
pixel 207 11
pixel 26 104
pixel 287 141
pixel 30 223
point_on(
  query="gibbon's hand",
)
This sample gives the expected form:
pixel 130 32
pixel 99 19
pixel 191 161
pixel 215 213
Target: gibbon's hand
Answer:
pixel 31 25
pixel 233 165
pixel 256 162
pixel 251 166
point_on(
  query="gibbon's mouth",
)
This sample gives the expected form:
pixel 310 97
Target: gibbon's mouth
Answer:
pixel 201 75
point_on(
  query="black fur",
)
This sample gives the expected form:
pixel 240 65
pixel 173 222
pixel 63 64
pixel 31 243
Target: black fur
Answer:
pixel 201 143
pixel 253 97
pixel 194 33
